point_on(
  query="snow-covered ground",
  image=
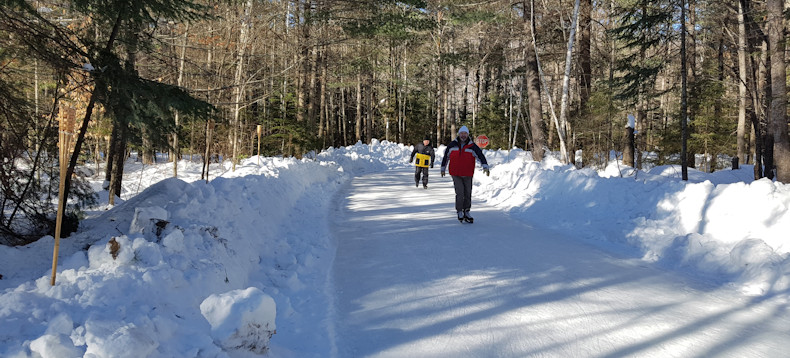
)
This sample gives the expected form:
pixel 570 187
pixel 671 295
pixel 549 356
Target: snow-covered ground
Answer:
pixel 185 268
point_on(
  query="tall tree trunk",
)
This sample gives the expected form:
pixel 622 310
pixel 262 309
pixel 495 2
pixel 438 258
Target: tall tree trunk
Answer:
pixel 765 117
pixel 343 116
pixel 566 86
pixel 683 102
pixel 691 62
pixel 148 151
pixel 320 104
pixel 120 129
pixel 304 81
pixel 358 126
pixel 776 38
pixel 585 63
pixel 757 86
pixel 628 149
pixel 437 104
pixel 742 140
pixel 552 111
pixel 532 84
pixel 369 107
pixel 313 91
pixel 123 119
pixel 179 81
pixel 110 156
pixel 238 84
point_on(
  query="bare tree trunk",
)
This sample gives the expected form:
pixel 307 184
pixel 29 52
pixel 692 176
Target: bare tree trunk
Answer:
pixel 683 102
pixel 742 131
pixel 180 81
pixel 756 86
pixel 437 106
pixel 628 149
pixel 321 88
pixel 304 88
pixel 123 120
pixel 358 127
pixel 238 85
pixel 148 152
pixel 765 119
pixel 532 84
pixel 343 117
pixel 314 88
pixel 776 38
pixel 110 156
pixel 369 107
pixel 566 84
pixel 585 63
pixel 691 77
pixel 119 154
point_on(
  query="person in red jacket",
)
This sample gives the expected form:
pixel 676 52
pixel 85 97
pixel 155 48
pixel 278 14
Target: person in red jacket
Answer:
pixel 461 155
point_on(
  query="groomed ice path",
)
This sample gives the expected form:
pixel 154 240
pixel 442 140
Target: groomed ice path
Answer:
pixel 411 281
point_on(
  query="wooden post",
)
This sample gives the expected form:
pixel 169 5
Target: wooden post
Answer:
pixel 65 133
pixel 209 129
pixel 259 145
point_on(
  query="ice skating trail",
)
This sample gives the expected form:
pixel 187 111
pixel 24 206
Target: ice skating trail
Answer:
pixel 411 281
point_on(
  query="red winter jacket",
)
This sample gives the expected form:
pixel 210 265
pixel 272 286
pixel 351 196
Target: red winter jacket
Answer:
pixel 462 158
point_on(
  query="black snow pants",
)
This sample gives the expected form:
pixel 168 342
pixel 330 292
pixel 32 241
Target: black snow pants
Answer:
pixel 421 171
pixel 463 193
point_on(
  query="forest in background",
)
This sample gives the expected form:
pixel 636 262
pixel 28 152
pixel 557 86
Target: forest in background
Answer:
pixel 232 79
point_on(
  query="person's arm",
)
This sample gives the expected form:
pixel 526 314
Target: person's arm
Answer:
pixel 433 156
pixel 414 151
pixel 446 157
pixel 480 156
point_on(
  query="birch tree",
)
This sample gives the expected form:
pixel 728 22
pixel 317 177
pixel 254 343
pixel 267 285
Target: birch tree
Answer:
pixel 238 81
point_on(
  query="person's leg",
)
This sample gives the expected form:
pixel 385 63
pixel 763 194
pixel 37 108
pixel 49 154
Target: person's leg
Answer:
pixel 425 176
pixel 467 190
pixel 417 172
pixel 458 184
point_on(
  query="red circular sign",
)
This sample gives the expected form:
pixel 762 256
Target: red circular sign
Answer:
pixel 482 141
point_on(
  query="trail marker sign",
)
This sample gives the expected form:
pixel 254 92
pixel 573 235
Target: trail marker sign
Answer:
pixel 481 141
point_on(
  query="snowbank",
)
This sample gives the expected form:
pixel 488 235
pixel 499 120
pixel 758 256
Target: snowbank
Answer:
pixel 722 225
pixel 131 283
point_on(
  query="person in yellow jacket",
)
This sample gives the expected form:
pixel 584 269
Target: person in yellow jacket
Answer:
pixel 425 156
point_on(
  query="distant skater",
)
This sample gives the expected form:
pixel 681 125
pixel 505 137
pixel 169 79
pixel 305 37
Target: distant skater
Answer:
pixel 425 156
pixel 461 154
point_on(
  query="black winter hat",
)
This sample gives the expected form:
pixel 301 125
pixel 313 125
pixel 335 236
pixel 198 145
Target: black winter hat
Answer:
pixel 427 138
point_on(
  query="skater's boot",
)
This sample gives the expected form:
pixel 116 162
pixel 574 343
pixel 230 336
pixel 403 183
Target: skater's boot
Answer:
pixel 461 216
pixel 417 184
pixel 468 218
pixel 425 186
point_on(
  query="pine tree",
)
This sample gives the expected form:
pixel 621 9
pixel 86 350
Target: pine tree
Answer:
pixel 644 31
pixel 98 52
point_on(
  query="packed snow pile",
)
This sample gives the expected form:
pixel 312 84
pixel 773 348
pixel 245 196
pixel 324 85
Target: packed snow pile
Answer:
pixel 241 319
pixel 189 268
pixel 723 225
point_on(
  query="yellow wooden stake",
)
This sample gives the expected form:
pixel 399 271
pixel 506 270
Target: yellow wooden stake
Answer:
pixel 64 143
pixel 259 145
